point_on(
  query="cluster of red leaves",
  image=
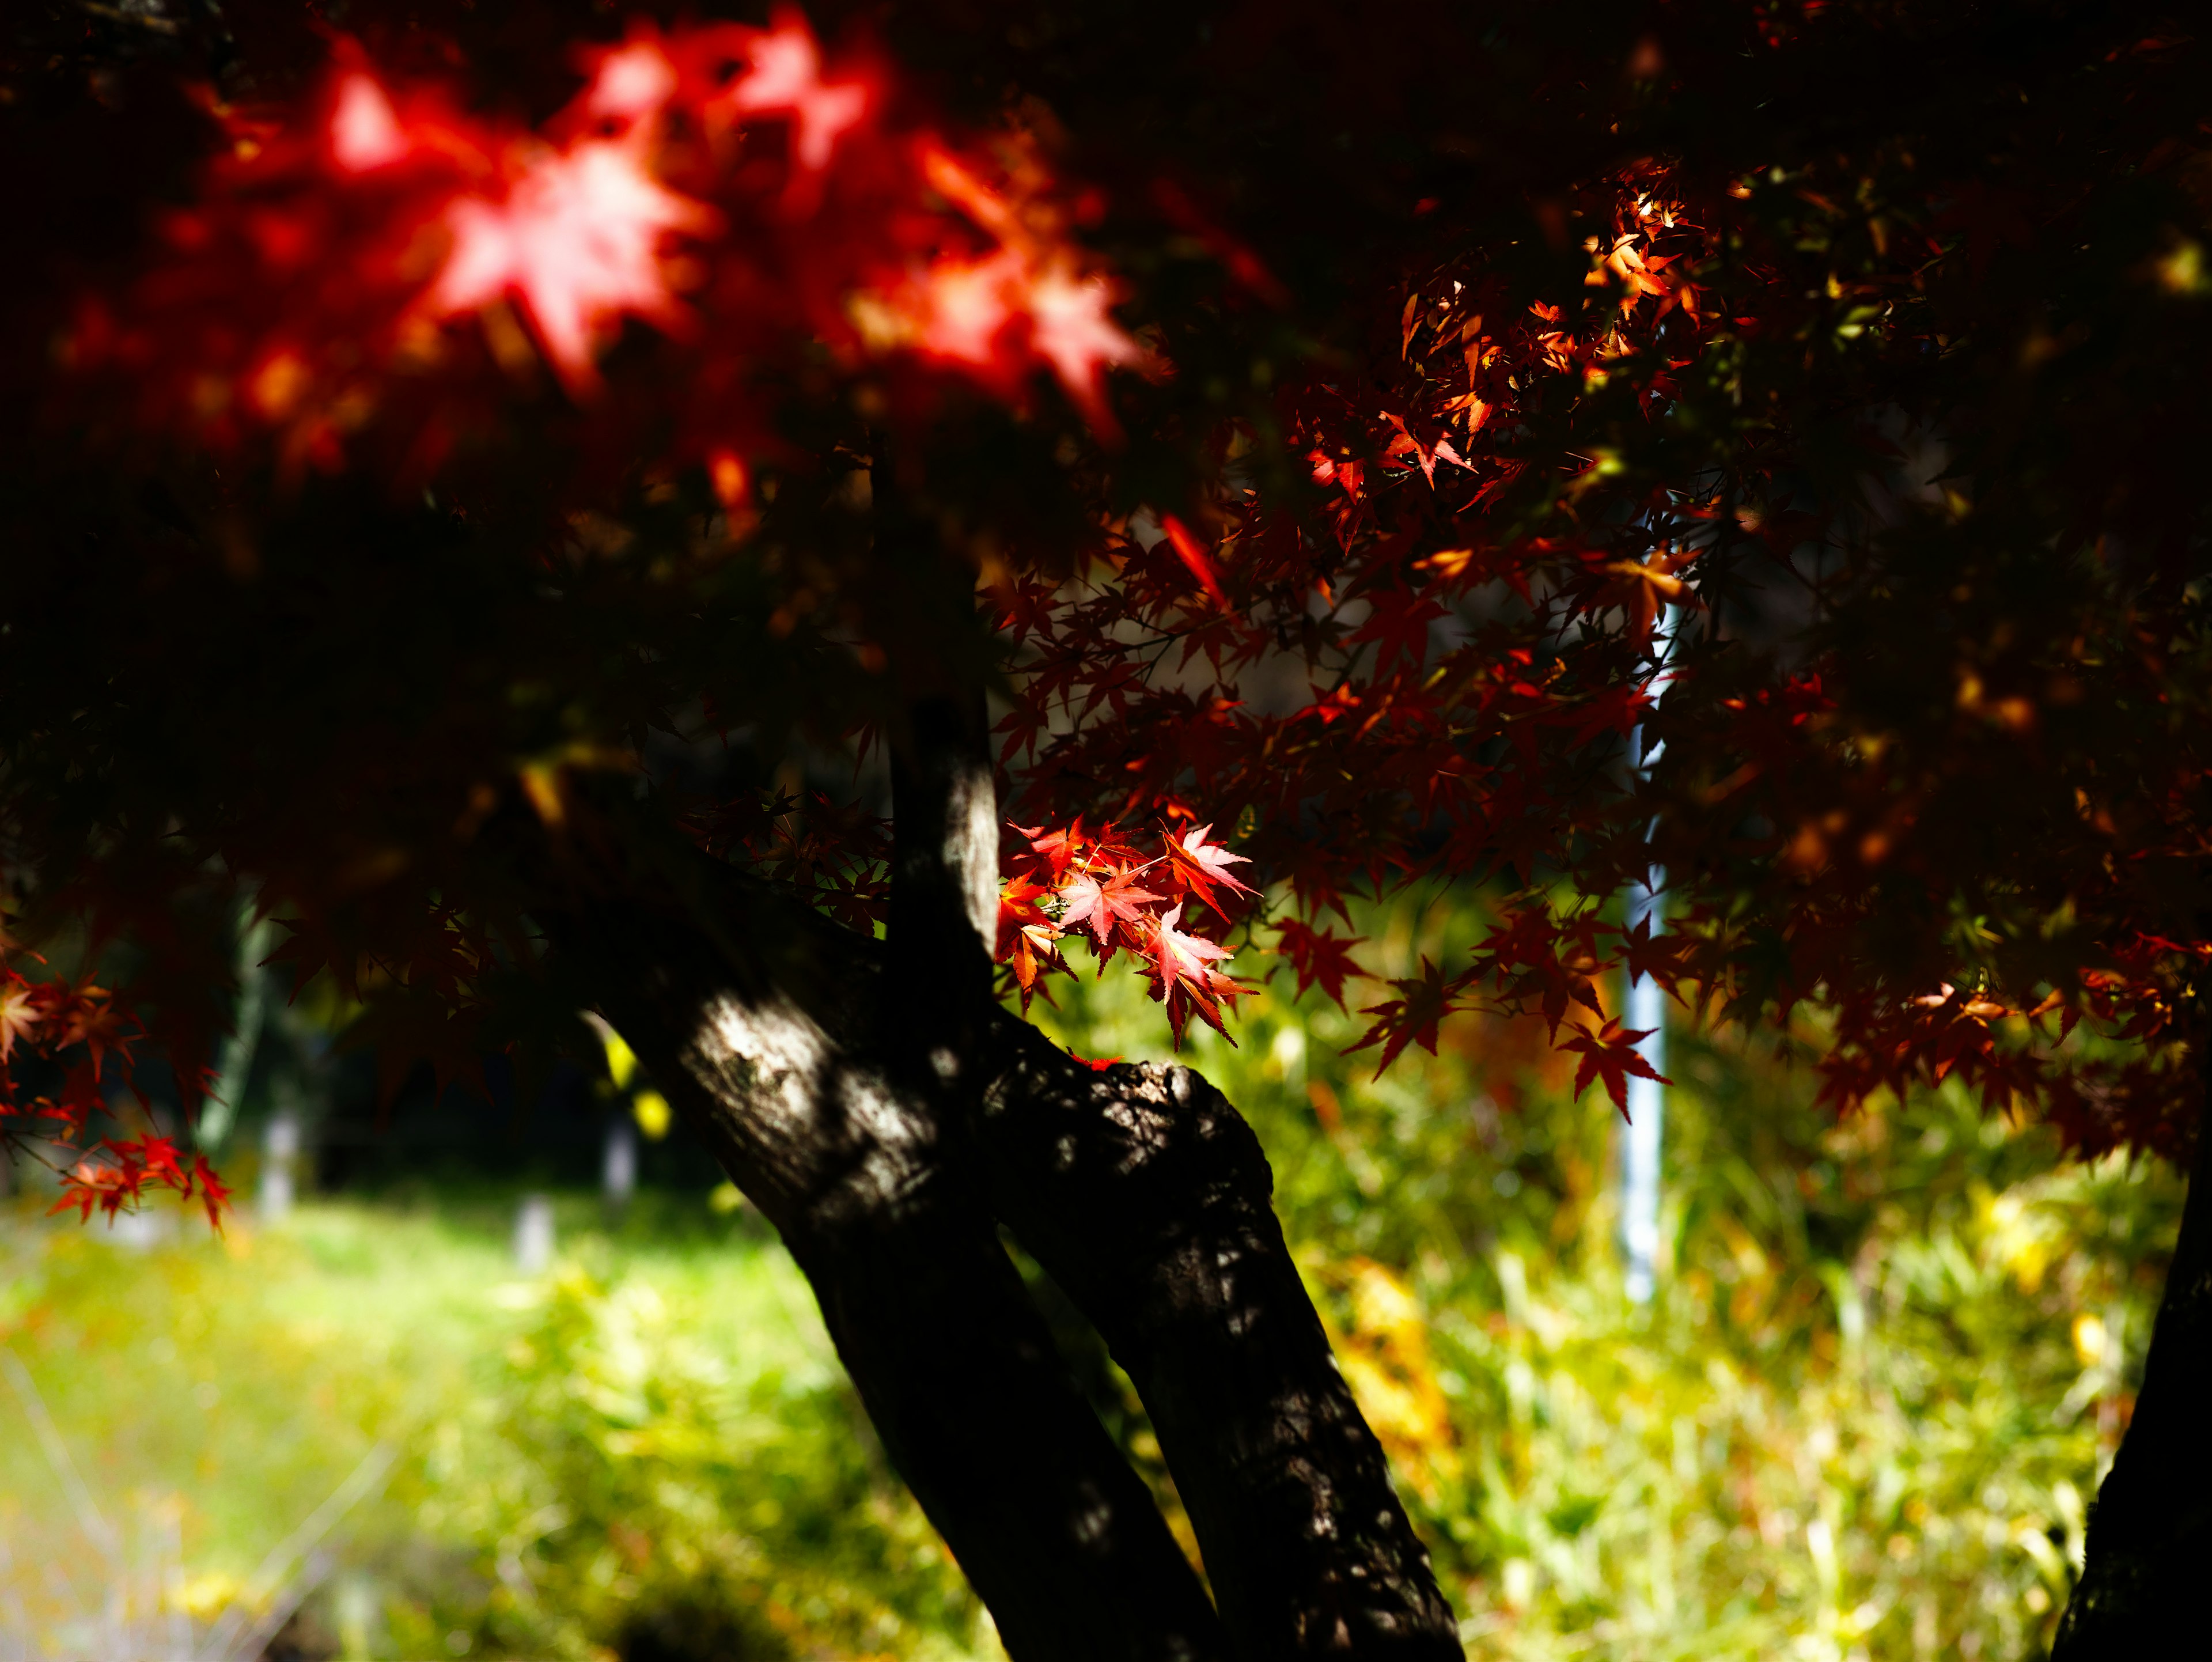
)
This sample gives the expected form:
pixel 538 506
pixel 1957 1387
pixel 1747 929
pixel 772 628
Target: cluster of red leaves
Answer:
pixel 374 276
pixel 1471 576
pixel 379 257
pixel 1070 882
pixel 1408 629
pixel 62 1049
pixel 1432 734
pixel 1809 912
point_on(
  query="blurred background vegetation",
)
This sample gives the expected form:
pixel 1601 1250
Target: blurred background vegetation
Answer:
pixel 1886 1364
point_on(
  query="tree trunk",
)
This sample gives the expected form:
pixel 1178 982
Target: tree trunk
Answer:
pixel 1059 1536
pixel 2150 1530
pixel 1148 1199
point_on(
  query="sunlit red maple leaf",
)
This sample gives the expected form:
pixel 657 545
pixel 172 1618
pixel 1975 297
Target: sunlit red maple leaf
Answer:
pixel 578 238
pixel 1188 965
pixel 786 78
pixel 21 1016
pixel 1032 953
pixel 1201 864
pixel 1019 907
pixel 1653 585
pixel 123 1171
pixel 1111 909
pixel 215 1194
pixel 1194 557
pixel 1057 849
pixel 997 311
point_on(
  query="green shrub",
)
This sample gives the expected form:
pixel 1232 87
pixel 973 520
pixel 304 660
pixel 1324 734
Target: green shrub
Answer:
pixel 1889 1360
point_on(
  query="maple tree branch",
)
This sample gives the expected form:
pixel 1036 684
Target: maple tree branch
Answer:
pixel 1146 1196
pixel 944 904
pixel 944 901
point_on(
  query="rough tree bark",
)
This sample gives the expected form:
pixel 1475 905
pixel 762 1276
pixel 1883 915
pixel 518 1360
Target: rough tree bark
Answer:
pixel 2150 1530
pixel 1147 1198
pixel 786 1040
pixel 1059 1536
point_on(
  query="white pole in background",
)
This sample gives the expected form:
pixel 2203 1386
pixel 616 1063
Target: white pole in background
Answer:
pixel 280 1154
pixel 618 1162
pixel 533 1234
pixel 1647 1110
pixel 1647 1097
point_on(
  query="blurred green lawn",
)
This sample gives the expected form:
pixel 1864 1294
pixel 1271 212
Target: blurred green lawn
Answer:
pixel 650 1443
pixel 1887 1360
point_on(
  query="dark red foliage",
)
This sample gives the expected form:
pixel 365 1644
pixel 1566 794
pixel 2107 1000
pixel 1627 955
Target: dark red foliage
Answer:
pixel 63 1048
pixel 1347 466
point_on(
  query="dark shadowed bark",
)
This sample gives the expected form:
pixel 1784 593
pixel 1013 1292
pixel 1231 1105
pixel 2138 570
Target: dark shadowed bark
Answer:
pixel 886 1116
pixel 2142 1591
pixel 1147 1198
pixel 1145 1195
pixel 1059 1536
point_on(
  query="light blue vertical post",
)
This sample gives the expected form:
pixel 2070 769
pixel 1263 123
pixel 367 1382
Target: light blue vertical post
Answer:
pixel 1640 1138
pixel 1647 1113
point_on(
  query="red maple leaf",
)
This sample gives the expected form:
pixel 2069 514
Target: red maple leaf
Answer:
pixel 1610 1054
pixel 1398 623
pixel 1192 555
pixel 1188 977
pixel 215 1194
pixel 1409 1018
pixel 1658 956
pixel 20 1013
pixel 95 1022
pixel 578 238
pixel 1059 849
pixel 153 1157
pixel 1025 608
pixel 1201 864
pixel 1318 956
pixel 1115 906
pixel 1035 951
pixel 1018 910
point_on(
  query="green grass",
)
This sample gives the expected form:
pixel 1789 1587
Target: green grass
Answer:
pixel 656 1424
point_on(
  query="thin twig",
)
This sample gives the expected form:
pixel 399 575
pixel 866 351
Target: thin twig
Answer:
pixel 220 1646
pixel 96 1528
pixel 255 1639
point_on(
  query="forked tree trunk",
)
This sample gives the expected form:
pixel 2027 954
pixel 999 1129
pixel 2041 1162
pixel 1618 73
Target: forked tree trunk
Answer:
pixel 882 1111
pixel 1058 1535
pixel 2149 1551
pixel 1147 1198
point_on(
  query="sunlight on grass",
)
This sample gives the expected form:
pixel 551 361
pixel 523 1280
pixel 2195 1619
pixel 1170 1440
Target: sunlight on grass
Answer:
pixel 653 1436
pixel 1887 1363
